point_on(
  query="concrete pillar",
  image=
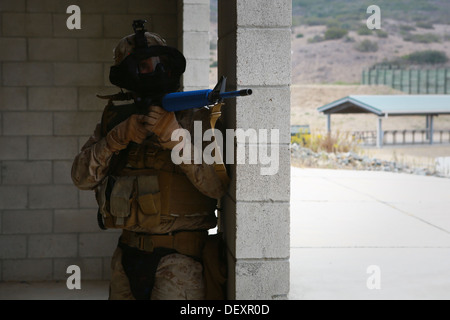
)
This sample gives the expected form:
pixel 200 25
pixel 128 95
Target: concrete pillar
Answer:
pixel 193 41
pixel 254 51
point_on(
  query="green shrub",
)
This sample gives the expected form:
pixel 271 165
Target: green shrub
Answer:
pixel 349 39
pixel 366 46
pixel 395 63
pixel 335 33
pixel 315 39
pixel 336 142
pixel 381 34
pixel 417 58
pixel 406 28
pixel 302 138
pixel 364 31
pixel 422 38
pixel 315 21
pixel 424 25
pixel 297 21
pixel 333 23
pixel 426 57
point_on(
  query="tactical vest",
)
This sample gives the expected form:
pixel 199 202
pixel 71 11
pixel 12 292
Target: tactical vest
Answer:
pixel 143 185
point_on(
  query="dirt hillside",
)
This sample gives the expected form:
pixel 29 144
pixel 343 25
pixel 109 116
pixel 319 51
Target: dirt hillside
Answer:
pixel 337 61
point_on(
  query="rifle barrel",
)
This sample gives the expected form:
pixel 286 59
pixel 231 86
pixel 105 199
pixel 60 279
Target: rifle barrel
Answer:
pixel 232 94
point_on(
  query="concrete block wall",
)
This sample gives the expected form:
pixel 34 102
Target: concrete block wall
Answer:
pixel 49 76
pixel 194 42
pixel 254 52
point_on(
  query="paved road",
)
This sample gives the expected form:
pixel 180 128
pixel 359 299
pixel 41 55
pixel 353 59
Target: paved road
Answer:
pixel 369 235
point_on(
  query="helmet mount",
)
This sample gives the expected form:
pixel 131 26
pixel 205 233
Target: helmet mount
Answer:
pixel 139 31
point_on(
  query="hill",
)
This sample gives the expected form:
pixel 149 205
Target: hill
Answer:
pixel 341 61
pixel 350 12
pixel 332 44
pixel 406 27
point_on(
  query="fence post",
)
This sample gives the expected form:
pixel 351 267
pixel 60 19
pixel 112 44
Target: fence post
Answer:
pixel 393 79
pixel 445 81
pixel 409 82
pixel 401 80
pixel 436 81
pixel 418 81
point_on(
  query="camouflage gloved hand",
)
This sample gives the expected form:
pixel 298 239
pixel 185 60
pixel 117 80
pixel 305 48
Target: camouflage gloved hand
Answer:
pixel 132 129
pixel 162 123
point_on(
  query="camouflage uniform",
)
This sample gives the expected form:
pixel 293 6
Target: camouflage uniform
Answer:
pixel 177 276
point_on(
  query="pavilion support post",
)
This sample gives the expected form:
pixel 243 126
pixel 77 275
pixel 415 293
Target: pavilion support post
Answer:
pixel 380 132
pixel 329 123
pixel 427 126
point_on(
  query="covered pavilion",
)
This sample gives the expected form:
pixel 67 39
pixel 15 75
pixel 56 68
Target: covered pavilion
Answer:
pixel 390 105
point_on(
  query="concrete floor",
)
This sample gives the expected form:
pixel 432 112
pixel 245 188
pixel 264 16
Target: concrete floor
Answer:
pixel 53 290
pixel 369 235
pixel 354 235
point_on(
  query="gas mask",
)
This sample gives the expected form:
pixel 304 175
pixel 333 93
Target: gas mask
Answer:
pixel 169 64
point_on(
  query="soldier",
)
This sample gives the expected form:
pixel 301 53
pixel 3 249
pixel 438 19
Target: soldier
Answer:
pixel 164 210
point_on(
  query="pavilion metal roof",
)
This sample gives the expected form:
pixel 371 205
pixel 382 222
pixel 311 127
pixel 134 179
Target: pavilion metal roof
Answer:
pixel 384 105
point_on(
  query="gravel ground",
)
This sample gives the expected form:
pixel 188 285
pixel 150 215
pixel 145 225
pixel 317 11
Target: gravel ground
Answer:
pixel 304 157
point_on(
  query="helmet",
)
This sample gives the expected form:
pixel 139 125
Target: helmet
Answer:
pixel 127 44
pixel 139 46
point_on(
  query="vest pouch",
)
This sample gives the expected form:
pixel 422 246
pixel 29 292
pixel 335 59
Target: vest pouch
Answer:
pixel 121 198
pixel 102 195
pixel 149 201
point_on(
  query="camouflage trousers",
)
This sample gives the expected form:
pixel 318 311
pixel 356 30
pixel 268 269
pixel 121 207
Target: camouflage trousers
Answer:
pixel 178 277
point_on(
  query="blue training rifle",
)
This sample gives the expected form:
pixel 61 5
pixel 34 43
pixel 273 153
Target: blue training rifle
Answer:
pixel 200 98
